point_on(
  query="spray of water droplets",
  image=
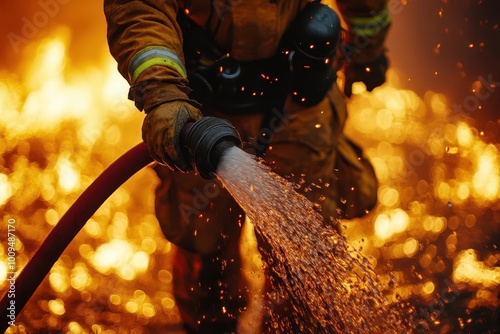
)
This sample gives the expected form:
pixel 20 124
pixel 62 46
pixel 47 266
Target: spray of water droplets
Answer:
pixel 324 285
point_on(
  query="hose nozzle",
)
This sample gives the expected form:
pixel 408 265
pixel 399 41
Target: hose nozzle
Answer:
pixel 205 140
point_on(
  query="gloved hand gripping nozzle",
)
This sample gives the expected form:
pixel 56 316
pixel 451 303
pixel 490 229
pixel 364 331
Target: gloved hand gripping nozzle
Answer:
pixel 204 142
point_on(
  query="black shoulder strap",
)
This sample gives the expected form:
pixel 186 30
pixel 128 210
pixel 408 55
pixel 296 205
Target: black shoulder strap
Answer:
pixel 197 41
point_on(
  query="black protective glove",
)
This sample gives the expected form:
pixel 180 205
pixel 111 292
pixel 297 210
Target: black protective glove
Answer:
pixel 161 132
pixel 372 74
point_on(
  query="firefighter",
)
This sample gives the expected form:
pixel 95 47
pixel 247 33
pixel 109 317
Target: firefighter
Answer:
pixel 187 59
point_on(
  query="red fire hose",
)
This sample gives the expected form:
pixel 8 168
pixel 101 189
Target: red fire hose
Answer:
pixel 68 227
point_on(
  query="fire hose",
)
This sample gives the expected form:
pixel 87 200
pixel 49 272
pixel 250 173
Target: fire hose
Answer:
pixel 203 141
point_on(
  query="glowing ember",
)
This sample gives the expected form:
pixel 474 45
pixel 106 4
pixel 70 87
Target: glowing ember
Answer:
pixel 473 272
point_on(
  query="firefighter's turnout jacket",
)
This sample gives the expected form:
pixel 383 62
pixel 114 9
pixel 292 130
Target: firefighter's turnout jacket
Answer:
pixel 147 42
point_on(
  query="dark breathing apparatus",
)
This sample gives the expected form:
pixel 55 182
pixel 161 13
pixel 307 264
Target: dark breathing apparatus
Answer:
pixel 303 68
pixel 303 65
pixel 312 42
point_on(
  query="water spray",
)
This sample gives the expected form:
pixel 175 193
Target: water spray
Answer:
pixel 204 141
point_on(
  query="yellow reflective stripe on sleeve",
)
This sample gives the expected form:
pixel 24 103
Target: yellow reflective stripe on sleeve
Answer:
pixel 155 55
pixel 157 61
pixel 369 26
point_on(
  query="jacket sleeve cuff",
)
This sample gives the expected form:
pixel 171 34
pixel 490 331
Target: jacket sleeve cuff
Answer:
pixel 157 85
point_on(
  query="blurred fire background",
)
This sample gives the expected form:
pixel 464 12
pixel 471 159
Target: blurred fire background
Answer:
pixel 432 133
